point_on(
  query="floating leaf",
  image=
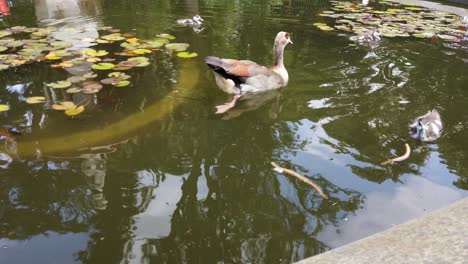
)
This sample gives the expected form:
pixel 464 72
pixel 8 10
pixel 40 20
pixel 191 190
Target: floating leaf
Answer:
pixel 61 44
pixel 15 44
pixel 94 59
pixel 74 111
pixel 166 36
pixel 59 84
pixel 103 66
pixel 319 24
pixel 4 33
pixel 132 40
pixel 3 48
pixel 102 41
pixel 187 55
pixel 73 90
pixel 92 87
pixel 447 37
pixel 177 46
pixel 35 100
pixel 90 75
pixel 122 84
pixel 52 56
pixel 3 67
pixel 413 8
pixel 94 53
pixel 120 75
pixel 154 44
pixel 64 105
pixel 113 37
pixel 112 80
pixel 4 107
pixel 141 51
pixel 76 79
pixel 142 61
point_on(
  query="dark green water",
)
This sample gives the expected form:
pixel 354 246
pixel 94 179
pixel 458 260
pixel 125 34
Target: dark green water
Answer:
pixel 194 187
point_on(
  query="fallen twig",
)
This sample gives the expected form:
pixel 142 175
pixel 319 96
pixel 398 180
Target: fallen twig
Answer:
pixel 401 158
pixel 300 177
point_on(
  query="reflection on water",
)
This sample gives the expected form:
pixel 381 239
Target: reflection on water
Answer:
pixel 199 187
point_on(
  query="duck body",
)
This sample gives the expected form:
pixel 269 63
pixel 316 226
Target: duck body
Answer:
pixel 244 76
pixel 427 127
pixel 195 21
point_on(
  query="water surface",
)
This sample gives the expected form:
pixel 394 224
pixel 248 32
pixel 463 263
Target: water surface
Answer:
pixel 151 175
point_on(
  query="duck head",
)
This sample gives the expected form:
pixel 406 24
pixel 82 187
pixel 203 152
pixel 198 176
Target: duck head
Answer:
pixel 282 39
pixel 198 19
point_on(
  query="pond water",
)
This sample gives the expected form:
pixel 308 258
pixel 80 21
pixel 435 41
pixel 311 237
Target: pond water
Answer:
pixel 150 174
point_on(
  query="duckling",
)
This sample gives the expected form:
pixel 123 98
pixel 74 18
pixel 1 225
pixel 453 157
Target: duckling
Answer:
pixel 372 37
pixel 195 21
pixel 427 127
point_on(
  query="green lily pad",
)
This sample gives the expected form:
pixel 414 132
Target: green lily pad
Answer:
pixel 113 37
pixel 122 84
pixel 2 49
pixel 61 44
pixel 166 36
pixel 94 53
pixel 154 44
pixel 141 51
pixel 120 75
pixel 103 66
pixel 319 24
pixel 52 56
pixel 187 55
pixel 177 46
pixel 142 61
pixel 59 84
pixel 413 8
pixel 90 75
pixel 15 44
pixel 112 80
pixel 3 67
pixel 102 41
pixel 35 100
pixel 447 37
pixel 4 107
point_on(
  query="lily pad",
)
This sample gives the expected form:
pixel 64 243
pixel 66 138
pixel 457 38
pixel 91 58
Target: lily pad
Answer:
pixel 59 84
pixel 103 66
pixel 177 46
pixel 74 111
pixel 64 105
pixel 94 53
pixel 91 88
pixel 73 90
pixel 447 37
pixel 141 51
pixel 4 107
pixel 3 67
pixel 76 79
pixel 52 56
pixel 120 75
pixel 187 55
pixel 142 61
pixel 35 100
pixel 166 36
pixel 113 37
pixel 4 33
pixel 122 84
pixel 90 75
pixel 102 41
pixel 61 44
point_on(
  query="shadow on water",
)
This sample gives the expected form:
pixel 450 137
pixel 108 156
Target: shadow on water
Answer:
pixel 152 175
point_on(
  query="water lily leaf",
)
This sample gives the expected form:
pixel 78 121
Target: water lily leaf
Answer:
pixel 62 53
pixel 129 63
pixel 3 67
pixel 64 64
pixel 52 56
pixel 15 43
pixel 177 46
pixel 120 75
pixel 4 33
pixel 166 36
pixel 447 37
pixel 4 107
pixel 325 28
pixel 73 90
pixel 90 75
pixel 59 84
pixel 319 24
pixel 64 105
pixel 76 79
pixel 141 51
pixel 112 80
pixel 132 40
pixel 94 59
pixel 74 111
pixel 101 53
pixel 154 44
pixel 3 48
pixel 61 44
pixel 102 41
pixel 113 37
pixel 91 87
pixel 413 8
pixel 103 66
pixel 187 55
pixel 122 84
pixel 35 100
pixel 424 35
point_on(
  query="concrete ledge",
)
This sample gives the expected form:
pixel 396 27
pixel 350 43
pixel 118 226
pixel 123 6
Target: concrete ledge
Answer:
pixel 438 237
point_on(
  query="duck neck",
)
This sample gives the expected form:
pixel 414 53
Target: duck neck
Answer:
pixel 279 50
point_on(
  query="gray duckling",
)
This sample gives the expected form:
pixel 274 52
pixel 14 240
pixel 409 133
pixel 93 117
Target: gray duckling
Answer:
pixel 427 127
pixel 195 21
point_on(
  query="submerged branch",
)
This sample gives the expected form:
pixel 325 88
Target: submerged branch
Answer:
pixel 401 158
pixel 300 177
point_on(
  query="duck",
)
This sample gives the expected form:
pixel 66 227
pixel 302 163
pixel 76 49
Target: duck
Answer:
pixel 427 127
pixel 196 20
pixel 374 36
pixel 239 77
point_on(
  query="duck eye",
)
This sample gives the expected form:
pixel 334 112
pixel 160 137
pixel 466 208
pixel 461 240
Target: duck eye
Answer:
pixel 286 35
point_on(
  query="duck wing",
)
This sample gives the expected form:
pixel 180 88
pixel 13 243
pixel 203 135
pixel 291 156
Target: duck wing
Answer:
pixel 238 70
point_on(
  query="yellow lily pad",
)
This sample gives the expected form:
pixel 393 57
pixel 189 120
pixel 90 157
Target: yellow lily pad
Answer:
pixel 35 100
pixel 74 111
pixel 63 105
pixel 177 46
pixel 141 51
pixel 166 36
pixel 73 90
pixel 52 56
pixel 4 107
pixel 122 84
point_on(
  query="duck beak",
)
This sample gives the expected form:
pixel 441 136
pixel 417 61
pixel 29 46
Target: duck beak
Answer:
pixel 290 41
